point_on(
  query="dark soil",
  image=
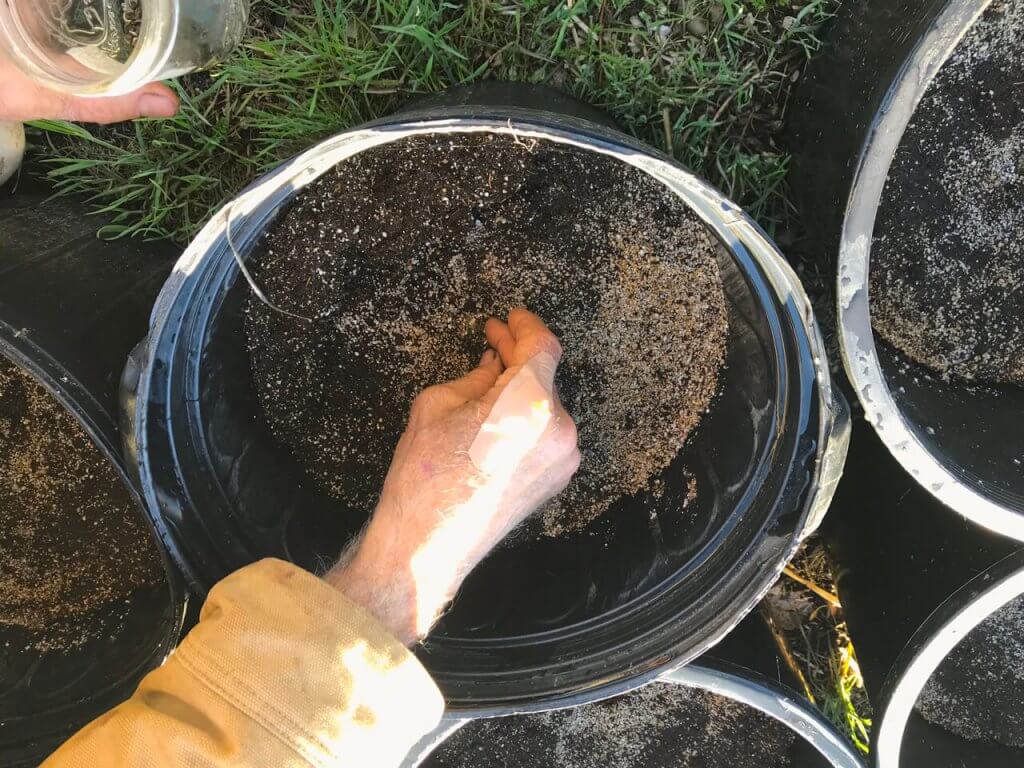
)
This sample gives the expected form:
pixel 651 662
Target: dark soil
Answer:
pixel 659 726
pixel 978 690
pixel 947 264
pixel 73 544
pixel 402 253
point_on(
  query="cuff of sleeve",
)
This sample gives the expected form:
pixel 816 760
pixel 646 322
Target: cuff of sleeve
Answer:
pixel 294 654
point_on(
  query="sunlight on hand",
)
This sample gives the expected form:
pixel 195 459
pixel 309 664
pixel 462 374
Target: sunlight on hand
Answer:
pixel 518 419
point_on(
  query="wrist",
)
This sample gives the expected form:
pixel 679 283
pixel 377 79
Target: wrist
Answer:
pixel 404 586
pixel 383 592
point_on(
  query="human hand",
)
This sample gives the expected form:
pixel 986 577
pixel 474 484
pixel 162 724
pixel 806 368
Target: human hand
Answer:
pixel 479 455
pixel 21 99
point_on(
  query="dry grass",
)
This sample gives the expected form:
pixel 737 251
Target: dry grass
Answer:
pixel 804 611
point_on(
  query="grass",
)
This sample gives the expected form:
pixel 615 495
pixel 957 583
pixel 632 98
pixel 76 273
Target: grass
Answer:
pixel 805 615
pixel 706 80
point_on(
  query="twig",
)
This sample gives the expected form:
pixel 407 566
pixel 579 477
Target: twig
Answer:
pixel 667 122
pixel 829 597
pixel 787 656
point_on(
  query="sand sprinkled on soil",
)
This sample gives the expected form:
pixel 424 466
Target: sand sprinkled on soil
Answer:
pixel 659 726
pixel 947 264
pixel 978 690
pixel 73 543
pixel 403 252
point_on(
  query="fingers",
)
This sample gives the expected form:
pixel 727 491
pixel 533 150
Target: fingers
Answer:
pixel 475 384
pixel 500 338
pixel 532 336
pixel 524 336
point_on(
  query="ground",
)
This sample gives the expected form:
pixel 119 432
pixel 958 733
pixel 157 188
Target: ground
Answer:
pixel 704 80
pixel 805 615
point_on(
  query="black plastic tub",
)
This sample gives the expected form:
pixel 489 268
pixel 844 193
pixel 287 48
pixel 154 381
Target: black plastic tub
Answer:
pixel 69 308
pixel 905 737
pixel 744 668
pixel 554 621
pixel 914 580
pixel 960 441
pixel 815 743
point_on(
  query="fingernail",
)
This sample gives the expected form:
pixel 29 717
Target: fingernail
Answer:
pixel 157 105
pixel 487 357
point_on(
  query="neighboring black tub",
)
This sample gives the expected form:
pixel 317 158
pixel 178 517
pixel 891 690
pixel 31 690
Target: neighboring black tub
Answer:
pixel 70 309
pixel 815 744
pixel 914 580
pixel 960 442
pixel 745 668
pixel 557 621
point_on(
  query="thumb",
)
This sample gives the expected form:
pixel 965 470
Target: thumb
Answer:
pixel 154 100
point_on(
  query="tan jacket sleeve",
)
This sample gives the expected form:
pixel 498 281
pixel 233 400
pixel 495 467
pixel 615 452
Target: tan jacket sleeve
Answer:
pixel 281 671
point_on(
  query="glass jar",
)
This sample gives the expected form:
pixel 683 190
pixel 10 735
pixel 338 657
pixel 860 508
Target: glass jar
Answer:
pixel 110 47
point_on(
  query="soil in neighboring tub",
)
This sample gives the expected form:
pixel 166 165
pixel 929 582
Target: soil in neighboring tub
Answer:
pixel 947 263
pixel 401 254
pixel 73 546
pixel 978 690
pixel 659 726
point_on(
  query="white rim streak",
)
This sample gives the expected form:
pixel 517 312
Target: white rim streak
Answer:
pixel 858 342
pixel 928 658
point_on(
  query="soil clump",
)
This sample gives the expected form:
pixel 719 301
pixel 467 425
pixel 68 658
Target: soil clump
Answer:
pixel 401 253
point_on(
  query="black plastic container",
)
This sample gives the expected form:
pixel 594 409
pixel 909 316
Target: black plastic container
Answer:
pixel 960 441
pixel 745 667
pixel 816 744
pixel 70 307
pixel 915 578
pixel 539 624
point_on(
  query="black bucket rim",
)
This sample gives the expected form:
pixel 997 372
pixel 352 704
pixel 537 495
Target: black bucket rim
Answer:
pixel 859 350
pixel 40 733
pixel 932 642
pixel 827 419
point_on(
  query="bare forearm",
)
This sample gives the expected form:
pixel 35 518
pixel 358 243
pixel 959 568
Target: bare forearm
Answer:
pixel 449 496
pixel 382 585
